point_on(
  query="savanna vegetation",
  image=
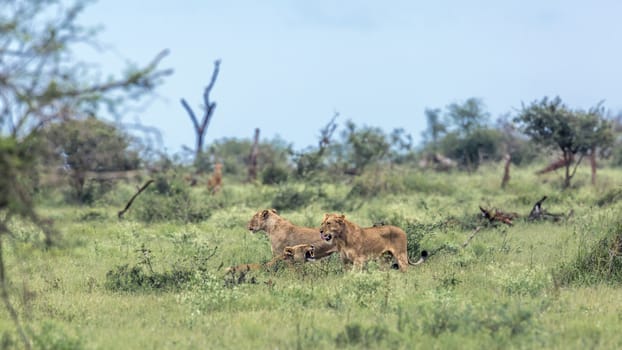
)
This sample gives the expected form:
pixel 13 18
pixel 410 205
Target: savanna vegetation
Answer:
pixel 84 267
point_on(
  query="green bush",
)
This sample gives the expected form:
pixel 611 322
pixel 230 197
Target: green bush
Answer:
pixel 291 197
pixel 170 199
pixel 142 277
pixel 52 337
pixel 124 278
pixel 274 175
pixel 357 335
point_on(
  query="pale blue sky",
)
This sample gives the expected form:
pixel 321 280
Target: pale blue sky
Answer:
pixel 287 66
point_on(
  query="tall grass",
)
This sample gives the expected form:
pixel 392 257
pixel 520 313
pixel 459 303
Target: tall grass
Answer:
pixel 161 284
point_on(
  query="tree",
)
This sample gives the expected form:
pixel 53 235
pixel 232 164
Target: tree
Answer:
pixel 200 127
pixel 311 160
pixel 552 123
pixel 435 127
pixel 90 145
pixel 470 150
pixel 468 116
pixel 597 133
pixel 469 140
pixel 42 83
pixel 364 146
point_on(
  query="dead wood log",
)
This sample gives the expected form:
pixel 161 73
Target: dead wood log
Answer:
pixel 494 215
pixel 129 203
pixel 539 213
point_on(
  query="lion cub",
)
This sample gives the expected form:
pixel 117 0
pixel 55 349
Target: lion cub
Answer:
pixel 300 253
pixel 283 233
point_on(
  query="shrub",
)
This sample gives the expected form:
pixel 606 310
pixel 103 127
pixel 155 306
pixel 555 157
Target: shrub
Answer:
pixel 274 175
pixel 289 197
pixel 602 262
pixel 170 199
pixel 52 337
pixel 357 335
pixel 142 277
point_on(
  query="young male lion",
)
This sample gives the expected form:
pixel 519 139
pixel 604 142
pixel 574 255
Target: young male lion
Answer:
pixel 283 233
pixel 357 245
pixel 297 254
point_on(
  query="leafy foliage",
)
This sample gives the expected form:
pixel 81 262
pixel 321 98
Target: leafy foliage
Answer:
pixel 170 199
pixel 90 145
pixel 552 123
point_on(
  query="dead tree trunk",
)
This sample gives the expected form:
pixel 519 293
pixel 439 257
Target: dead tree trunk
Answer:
pixel 252 158
pixel 593 164
pixel 200 128
pixel 506 172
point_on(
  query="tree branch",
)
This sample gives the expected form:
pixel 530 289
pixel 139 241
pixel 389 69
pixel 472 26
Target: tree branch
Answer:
pixel 129 203
pixel 191 114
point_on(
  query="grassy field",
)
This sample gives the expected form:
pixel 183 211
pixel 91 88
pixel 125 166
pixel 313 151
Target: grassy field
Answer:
pixel 136 284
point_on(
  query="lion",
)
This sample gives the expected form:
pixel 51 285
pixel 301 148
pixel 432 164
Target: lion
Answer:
pixel 214 183
pixel 356 245
pixel 300 253
pixel 283 233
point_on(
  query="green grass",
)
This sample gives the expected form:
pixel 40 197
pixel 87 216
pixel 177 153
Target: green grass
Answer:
pixel 502 291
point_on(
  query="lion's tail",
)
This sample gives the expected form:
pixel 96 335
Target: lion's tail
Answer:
pixel 422 259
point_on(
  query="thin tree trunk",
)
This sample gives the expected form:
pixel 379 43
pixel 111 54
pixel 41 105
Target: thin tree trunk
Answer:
pixel 593 164
pixel 506 172
pixel 252 158
pixel 567 161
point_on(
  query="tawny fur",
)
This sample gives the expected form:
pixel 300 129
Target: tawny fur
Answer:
pixel 300 253
pixel 356 245
pixel 214 183
pixel 283 233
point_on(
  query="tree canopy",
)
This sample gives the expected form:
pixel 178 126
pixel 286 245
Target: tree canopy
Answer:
pixel 550 123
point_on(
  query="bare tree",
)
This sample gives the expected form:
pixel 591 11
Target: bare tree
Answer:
pixel 200 127
pixel 252 158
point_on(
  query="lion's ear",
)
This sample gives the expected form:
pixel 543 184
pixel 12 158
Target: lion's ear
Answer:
pixel 265 214
pixel 288 251
pixel 274 211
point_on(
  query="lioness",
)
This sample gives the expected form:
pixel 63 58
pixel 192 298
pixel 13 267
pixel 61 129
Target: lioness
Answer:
pixel 283 233
pixel 357 244
pixel 297 254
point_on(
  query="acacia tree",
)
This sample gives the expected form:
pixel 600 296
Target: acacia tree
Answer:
pixel 468 116
pixel 469 139
pixel 90 144
pixel 42 83
pixel 552 123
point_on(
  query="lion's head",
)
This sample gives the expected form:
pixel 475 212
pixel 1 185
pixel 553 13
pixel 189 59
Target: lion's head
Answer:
pixel 300 253
pixel 332 226
pixel 258 221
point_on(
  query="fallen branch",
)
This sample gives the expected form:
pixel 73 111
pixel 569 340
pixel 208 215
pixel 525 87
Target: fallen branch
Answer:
pixel 498 215
pixel 539 213
pixel 129 203
pixel 477 229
